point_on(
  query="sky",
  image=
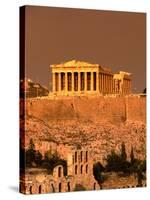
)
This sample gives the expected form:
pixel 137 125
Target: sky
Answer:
pixel 109 38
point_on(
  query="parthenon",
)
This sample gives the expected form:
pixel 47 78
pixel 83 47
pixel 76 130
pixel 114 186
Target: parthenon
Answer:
pixel 75 78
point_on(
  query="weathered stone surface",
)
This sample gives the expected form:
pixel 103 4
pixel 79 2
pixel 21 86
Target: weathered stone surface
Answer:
pixel 95 124
pixel 98 108
pixel 100 138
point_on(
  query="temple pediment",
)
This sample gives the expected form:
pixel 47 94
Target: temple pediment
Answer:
pixel 83 78
pixel 76 63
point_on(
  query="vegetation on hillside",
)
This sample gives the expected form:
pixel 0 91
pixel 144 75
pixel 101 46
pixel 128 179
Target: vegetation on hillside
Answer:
pixel 79 187
pixel 98 170
pixel 117 162
pixel 32 158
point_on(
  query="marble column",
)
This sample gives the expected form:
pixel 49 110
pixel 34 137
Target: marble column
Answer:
pixel 104 86
pixel 102 83
pixel 106 83
pixel 124 88
pixel 59 81
pixel 121 87
pixel 129 87
pixel 92 81
pixel 97 81
pixel 111 84
pixel 66 82
pixel 79 81
pixel 114 87
pixel 53 82
pixel 85 81
pixel 72 83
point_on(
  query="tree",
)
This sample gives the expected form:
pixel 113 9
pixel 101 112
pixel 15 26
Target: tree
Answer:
pixel 132 158
pixel 48 155
pixel 124 164
pixel 97 172
pixel 143 166
pixel 31 145
pixel 30 155
pixel 22 158
pixel 123 155
pixel 136 165
pixel 144 91
pixel 52 160
pixel 118 162
pixel 139 178
pixel 79 187
pixel 38 158
pixel 113 162
pixel 139 167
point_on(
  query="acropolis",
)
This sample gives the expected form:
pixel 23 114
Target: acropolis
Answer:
pixel 75 78
pixel 97 114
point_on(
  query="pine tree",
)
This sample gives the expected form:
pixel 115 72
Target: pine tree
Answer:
pixel 31 145
pixel 30 154
pixel 132 158
pixel 113 162
pixel 123 154
pixel 97 172
pixel 38 158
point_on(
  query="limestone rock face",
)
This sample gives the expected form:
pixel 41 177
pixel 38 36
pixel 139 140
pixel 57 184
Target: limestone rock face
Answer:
pixel 97 123
pixel 115 110
pixel 100 138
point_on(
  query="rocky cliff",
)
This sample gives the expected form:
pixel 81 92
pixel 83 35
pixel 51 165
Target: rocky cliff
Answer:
pixel 97 123
pixel 109 109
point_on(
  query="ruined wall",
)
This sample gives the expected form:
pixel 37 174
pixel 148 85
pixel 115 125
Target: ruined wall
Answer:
pixel 136 109
pixel 111 109
pixel 115 180
pixel 58 124
pixel 44 183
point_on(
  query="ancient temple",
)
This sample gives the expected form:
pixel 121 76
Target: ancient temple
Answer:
pixel 75 78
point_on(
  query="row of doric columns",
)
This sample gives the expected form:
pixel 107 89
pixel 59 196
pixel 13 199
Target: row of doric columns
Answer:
pixel 122 86
pixel 75 81
pixel 106 82
pixel 126 88
pixel 108 85
pixel 89 81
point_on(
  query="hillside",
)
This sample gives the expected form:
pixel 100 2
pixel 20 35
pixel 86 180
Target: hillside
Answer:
pixel 115 110
pixel 100 137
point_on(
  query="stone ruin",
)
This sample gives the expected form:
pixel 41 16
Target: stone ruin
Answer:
pixel 79 173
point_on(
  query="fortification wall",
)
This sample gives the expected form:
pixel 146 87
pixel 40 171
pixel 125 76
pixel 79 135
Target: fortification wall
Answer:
pixel 136 109
pixel 111 109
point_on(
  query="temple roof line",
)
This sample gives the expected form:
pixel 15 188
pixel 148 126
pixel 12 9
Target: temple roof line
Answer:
pixel 75 63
